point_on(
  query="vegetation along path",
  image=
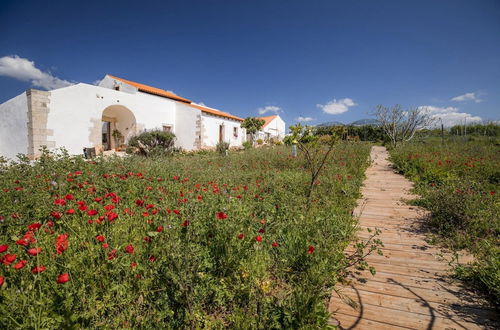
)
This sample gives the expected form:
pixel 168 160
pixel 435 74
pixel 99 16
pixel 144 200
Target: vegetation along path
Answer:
pixel 412 288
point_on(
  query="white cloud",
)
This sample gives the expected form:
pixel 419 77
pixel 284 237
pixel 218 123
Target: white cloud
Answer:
pixel 269 108
pixel 450 116
pixel 466 97
pixel 304 119
pixel 335 107
pixel 23 69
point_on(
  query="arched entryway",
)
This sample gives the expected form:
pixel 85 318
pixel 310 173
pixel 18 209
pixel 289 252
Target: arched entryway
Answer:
pixel 118 125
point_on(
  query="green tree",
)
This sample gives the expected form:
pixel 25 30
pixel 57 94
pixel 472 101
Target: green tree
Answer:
pixel 252 125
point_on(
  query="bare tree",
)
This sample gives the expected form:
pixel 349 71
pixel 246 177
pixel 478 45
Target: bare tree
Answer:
pixel 399 124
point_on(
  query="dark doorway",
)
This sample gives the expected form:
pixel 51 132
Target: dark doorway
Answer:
pixel 221 133
pixel 106 135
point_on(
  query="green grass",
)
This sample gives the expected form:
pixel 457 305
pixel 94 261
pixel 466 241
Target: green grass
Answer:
pixel 218 242
pixel 459 182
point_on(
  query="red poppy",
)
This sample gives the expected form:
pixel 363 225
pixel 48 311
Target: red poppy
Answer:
pixel 55 215
pixel 83 207
pixel 109 207
pixel 38 269
pixel 105 245
pixel 262 230
pixel 34 251
pixel 3 248
pixel 311 249
pixel 20 264
pixel 152 258
pixel 177 212
pixel 492 193
pixel 240 236
pixel 185 224
pixel 129 249
pixel 133 265
pixel 60 202
pixel 112 254
pixel 2 280
pixel 258 238
pixel 139 202
pixel 22 241
pixel 69 197
pixel 159 229
pixel 61 243
pixel 92 212
pixel 100 238
pixel 34 226
pixel 275 244
pixel 63 278
pixel 221 215
pixel 112 216
pixel 8 259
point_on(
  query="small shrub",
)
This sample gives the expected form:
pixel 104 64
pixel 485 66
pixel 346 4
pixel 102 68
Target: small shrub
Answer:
pixel 260 141
pixel 222 147
pixel 247 145
pixel 153 143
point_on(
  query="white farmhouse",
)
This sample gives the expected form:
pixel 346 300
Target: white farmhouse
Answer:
pixel 273 128
pixel 86 116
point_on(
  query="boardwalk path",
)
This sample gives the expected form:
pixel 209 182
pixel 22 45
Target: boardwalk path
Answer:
pixel 412 289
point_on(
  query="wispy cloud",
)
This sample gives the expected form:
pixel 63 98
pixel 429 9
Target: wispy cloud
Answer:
pixel 269 108
pixel 304 119
pixel 336 107
pixel 467 97
pixel 450 116
pixel 23 69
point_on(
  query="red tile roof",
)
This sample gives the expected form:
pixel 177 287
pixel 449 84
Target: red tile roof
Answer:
pixel 164 93
pixel 152 90
pixel 214 112
pixel 267 119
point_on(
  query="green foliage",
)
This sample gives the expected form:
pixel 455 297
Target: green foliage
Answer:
pixel 459 184
pixel 252 124
pixel 153 143
pixel 183 215
pixel 222 147
pixel 260 141
pixel 247 145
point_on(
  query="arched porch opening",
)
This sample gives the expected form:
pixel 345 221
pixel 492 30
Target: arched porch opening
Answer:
pixel 118 126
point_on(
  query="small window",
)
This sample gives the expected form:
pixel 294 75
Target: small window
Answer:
pixel 167 128
pixel 235 132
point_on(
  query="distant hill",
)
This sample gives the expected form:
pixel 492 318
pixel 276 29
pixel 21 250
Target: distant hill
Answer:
pixel 362 122
pixel 331 123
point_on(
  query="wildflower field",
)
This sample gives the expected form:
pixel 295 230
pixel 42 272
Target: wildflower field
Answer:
pixel 459 183
pixel 189 241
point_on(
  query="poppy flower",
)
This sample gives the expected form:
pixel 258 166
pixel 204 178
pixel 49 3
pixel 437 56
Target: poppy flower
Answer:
pixel 3 248
pixel 34 251
pixel 133 265
pixel 69 197
pixel 63 278
pixel 38 269
pixel 2 280
pixel 152 258
pixel 258 238
pixel 221 215
pixel 311 249
pixel 105 245
pixel 112 216
pixel 22 241
pixel 139 202
pixel 70 211
pixel 275 244
pixel 241 236
pixel 112 254
pixel 159 229
pixel 109 207
pixel 92 212
pixel 129 249
pixel 262 230
pixel 100 238
pixel 61 243
pixel 60 202
pixel 177 212
pixel 185 224
pixel 34 226
pixel 55 215
pixel 20 264
pixel 8 259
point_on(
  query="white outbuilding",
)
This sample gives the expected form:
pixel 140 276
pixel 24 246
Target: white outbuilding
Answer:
pixel 273 128
pixel 104 117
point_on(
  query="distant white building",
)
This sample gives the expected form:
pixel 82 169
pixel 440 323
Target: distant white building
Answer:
pixel 85 116
pixel 273 128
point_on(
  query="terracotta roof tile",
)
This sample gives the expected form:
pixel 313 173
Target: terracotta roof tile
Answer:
pixel 267 119
pixel 214 112
pixel 152 90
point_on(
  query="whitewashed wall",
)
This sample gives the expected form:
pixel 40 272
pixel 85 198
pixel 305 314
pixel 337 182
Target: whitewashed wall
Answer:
pixel 211 131
pixel 14 126
pixel 185 126
pixel 276 128
pixel 74 111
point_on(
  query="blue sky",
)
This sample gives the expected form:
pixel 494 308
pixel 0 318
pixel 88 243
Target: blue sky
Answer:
pixel 319 60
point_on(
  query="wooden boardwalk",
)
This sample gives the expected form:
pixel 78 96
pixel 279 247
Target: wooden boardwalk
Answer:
pixel 412 288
